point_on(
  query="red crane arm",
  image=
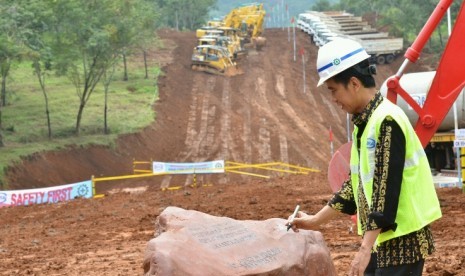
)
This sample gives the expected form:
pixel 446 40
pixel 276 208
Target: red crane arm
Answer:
pixel 448 81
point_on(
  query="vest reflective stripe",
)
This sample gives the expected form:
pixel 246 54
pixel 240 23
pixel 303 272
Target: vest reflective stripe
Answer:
pixel 416 209
pixel 415 159
pixel 408 162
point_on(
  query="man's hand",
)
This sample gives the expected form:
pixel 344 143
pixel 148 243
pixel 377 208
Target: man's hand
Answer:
pixel 360 262
pixel 311 222
pixel 362 258
pixel 298 221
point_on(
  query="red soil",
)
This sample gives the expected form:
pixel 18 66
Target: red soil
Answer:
pixel 260 116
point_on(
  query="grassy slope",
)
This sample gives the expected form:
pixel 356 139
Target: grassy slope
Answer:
pixel 24 119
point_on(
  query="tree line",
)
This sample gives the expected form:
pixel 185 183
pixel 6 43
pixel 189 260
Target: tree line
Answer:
pixel 84 39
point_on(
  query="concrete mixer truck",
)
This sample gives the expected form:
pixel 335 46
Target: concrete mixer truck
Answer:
pixel 428 97
pixel 440 148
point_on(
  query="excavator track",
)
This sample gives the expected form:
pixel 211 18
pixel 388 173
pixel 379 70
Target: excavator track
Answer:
pixel 206 68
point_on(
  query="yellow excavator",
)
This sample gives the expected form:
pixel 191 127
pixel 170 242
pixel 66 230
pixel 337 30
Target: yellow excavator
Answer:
pixel 235 41
pixel 249 19
pixel 227 42
pixel 254 25
pixel 221 42
pixel 215 23
pixel 208 30
pixel 213 59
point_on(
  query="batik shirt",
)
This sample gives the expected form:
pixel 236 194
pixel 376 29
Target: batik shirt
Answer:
pixel 390 157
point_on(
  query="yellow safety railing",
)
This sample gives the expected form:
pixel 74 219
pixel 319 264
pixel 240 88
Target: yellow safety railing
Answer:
pixel 230 167
pixel 120 177
pixel 236 167
pixel 136 166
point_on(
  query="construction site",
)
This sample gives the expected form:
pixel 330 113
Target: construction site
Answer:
pixel 265 110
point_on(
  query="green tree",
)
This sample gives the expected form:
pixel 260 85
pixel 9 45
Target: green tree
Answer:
pixel 323 5
pixel 41 66
pixel 10 42
pixel 185 14
pixel 8 52
pixel 147 37
pixel 11 48
pixel 107 78
pixel 135 27
pixel 86 43
pixel 35 24
pixel 135 30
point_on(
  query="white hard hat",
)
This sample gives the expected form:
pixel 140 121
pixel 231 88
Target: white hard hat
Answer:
pixel 338 55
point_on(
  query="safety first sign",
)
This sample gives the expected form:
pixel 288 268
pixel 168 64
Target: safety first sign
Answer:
pixel 46 195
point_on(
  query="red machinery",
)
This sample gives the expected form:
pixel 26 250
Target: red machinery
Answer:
pixel 448 81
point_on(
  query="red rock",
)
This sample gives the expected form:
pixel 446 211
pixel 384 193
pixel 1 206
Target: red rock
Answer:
pixel 193 243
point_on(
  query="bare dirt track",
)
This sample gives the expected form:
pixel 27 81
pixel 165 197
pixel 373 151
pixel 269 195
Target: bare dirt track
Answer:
pixel 260 116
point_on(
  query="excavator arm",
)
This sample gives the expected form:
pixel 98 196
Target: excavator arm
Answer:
pixel 448 81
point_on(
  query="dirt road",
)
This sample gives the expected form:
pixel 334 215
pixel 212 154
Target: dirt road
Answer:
pixel 263 115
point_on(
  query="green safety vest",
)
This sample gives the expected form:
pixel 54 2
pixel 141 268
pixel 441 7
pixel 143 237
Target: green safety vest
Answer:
pixel 418 202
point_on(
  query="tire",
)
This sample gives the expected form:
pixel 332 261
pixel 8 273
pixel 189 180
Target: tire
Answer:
pixel 380 60
pixel 390 58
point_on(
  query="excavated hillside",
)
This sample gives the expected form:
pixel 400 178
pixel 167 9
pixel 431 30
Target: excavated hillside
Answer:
pixel 263 115
pixel 260 116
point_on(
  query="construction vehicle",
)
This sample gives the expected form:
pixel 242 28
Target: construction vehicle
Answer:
pixel 427 97
pixel 207 30
pixel 249 20
pixel 304 19
pixel 382 50
pixel 221 42
pixel 236 45
pixel 233 48
pixel 215 23
pixel 213 59
pixel 436 92
pixel 215 36
pixel 255 29
pixel 207 40
pixel 324 26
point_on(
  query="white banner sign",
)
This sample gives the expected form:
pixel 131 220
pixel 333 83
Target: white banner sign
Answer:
pixel 46 195
pixel 460 134
pixel 459 143
pixel 188 168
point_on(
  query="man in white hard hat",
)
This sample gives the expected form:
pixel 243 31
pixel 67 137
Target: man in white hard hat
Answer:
pixel 390 187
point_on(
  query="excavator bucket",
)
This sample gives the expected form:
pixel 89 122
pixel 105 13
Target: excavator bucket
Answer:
pixel 259 42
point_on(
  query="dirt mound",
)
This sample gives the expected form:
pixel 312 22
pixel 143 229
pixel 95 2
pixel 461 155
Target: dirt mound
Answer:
pixel 260 116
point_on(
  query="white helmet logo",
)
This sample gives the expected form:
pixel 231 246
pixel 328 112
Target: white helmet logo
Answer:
pixel 336 61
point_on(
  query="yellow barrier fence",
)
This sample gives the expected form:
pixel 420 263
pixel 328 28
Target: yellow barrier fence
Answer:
pixel 236 167
pixel 230 167
pixel 137 164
